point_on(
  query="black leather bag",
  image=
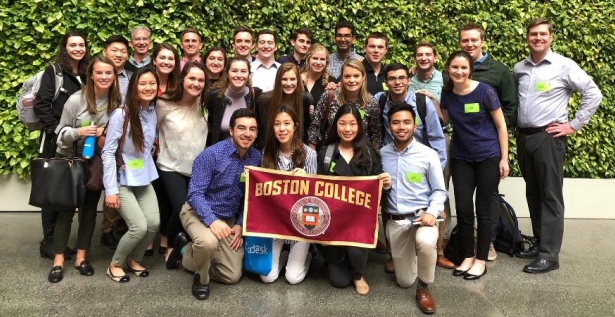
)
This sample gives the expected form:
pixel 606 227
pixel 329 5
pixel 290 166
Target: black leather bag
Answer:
pixel 453 247
pixel 58 183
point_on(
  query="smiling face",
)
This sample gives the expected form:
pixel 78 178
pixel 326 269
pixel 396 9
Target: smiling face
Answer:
pixel 425 58
pixel 238 75
pixel 214 64
pixel 140 42
pixel 347 128
pixel 165 61
pixel 397 81
pixel 75 47
pixel 103 77
pixel 539 39
pixel 352 79
pixel 243 44
pixel 147 88
pixel 344 39
pixel 402 126
pixel 318 61
pixel 375 50
pixel 284 128
pixel 301 44
pixel 459 70
pixel 194 82
pixel 191 44
pixel 289 82
pixel 118 53
pixel 243 133
pixel 266 46
pixel 471 42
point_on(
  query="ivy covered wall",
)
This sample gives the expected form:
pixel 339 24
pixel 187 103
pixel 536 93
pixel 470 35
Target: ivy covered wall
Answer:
pixel 584 31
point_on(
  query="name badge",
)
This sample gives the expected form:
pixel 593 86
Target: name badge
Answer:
pixel 543 86
pixel 135 164
pixel 385 87
pixel 362 113
pixel 331 167
pixel 412 177
pixel 471 107
pixel 242 177
pixel 417 121
pixel 86 123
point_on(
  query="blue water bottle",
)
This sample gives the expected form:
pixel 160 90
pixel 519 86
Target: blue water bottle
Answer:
pixel 88 146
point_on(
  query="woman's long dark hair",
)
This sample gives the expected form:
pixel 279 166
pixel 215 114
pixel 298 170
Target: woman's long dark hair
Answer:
pixel 114 98
pixel 463 54
pixel 134 104
pixel 177 94
pixel 173 79
pixel 272 145
pixel 63 60
pixel 360 145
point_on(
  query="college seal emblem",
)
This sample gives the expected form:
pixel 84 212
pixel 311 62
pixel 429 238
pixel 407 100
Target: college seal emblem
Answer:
pixel 310 216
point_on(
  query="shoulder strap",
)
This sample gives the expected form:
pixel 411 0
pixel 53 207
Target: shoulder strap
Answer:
pixel 383 100
pixel 59 80
pixel 421 107
pixel 328 156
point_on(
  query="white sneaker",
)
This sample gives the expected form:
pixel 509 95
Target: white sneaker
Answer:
pixel 492 254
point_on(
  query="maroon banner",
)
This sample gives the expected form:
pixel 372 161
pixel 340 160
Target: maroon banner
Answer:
pixel 329 210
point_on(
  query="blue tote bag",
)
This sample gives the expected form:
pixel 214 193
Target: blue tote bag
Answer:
pixel 257 256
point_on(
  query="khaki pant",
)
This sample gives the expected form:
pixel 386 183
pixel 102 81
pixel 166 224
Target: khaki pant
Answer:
pixel 444 226
pixel 413 248
pixel 206 255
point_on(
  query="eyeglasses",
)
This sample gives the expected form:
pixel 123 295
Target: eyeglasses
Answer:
pixel 401 79
pixel 343 36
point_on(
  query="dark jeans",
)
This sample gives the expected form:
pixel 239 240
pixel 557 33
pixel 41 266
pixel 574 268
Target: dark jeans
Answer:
pixel 176 186
pixel 541 160
pixel 346 264
pixel 164 204
pixel 484 177
pixel 87 222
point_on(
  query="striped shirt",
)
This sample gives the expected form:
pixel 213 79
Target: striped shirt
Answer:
pixel 286 163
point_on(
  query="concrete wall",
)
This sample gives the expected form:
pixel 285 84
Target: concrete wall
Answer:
pixel 584 198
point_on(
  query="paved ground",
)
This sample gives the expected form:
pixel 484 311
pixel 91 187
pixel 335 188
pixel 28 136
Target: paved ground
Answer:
pixel 583 286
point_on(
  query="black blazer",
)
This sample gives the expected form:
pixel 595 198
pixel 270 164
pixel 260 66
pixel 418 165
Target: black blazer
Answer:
pixel 216 106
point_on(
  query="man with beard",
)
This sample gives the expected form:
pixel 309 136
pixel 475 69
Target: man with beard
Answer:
pixel 414 202
pixel 213 213
pixel 376 47
pixel 344 38
pixel 191 46
pixel 140 41
pixel 301 41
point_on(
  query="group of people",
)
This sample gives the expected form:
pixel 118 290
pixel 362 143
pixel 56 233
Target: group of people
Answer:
pixel 179 132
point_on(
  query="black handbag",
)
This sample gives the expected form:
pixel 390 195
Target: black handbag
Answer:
pixel 453 247
pixel 58 183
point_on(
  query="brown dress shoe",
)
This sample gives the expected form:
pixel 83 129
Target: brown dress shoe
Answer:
pixel 443 262
pixel 389 267
pixel 424 300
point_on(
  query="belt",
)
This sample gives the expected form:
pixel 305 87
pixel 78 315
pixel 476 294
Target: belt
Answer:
pixel 530 131
pixel 399 217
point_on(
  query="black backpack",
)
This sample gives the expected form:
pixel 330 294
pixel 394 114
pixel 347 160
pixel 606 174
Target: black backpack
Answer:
pixel 508 239
pixel 421 107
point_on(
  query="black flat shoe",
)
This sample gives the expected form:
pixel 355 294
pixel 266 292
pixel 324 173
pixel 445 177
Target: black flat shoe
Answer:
pixel 162 250
pixel 199 291
pixel 457 272
pixel 149 252
pixel 139 273
pixel 109 240
pixel 530 253
pixel 176 255
pixel 85 268
pixel 472 277
pixel 541 266
pixel 56 274
pixel 120 278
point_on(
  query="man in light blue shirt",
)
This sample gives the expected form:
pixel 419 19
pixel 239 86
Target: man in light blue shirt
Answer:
pixel 344 39
pixel 116 49
pixel 413 204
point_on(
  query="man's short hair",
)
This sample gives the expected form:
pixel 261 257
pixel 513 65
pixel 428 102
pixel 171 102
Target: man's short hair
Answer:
pixel 242 28
pixel 116 38
pixel 396 66
pixel 304 31
pixel 140 28
pixel 266 31
pixel 344 24
pixel 473 26
pixel 403 106
pixel 536 22
pixel 241 113
pixel 426 44
pixel 377 35
pixel 190 30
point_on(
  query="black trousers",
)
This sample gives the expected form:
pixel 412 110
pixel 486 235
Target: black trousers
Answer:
pixel 541 160
pixel 176 186
pixel 345 264
pixel 164 204
pixel 484 177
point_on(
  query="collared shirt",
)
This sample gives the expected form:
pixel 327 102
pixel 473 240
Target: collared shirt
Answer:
pixel 140 168
pixel 335 63
pixel 186 60
pixel 545 88
pixel 375 82
pixel 263 77
pixel 140 64
pixel 480 60
pixel 434 84
pixel 434 129
pixel 291 59
pixel 215 190
pixel 416 178
pixel 123 78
